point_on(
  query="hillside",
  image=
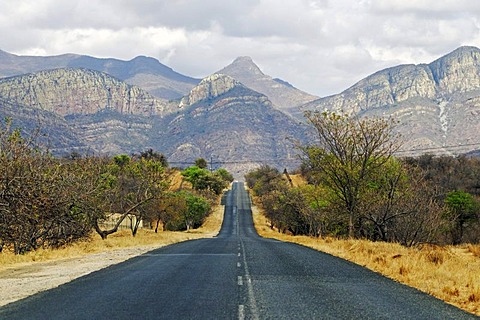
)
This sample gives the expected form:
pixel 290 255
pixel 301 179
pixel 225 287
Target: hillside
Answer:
pixel 81 110
pixel 437 105
pixel 235 126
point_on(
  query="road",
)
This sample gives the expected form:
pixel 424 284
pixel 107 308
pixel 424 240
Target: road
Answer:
pixel 237 275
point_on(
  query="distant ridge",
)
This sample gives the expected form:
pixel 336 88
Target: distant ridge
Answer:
pixel 148 73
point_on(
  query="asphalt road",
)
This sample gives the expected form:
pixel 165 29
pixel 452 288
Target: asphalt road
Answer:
pixel 236 275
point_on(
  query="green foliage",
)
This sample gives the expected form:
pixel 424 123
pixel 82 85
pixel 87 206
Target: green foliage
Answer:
pixel 264 180
pixel 224 175
pixel 202 179
pixel 183 211
pixel 348 156
pixel 461 210
pixel 201 163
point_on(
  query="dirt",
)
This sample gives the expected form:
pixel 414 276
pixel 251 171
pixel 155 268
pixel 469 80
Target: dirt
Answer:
pixel 20 281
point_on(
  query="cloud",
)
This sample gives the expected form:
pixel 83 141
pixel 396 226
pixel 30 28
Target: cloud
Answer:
pixel 320 46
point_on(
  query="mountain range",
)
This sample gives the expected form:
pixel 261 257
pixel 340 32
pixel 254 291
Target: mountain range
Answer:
pixel 437 105
pixel 238 117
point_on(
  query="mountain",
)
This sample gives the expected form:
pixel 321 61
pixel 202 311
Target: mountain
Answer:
pixel 79 91
pixel 437 105
pixel 82 110
pixel 89 111
pixel 282 94
pixel 147 73
pixel 223 120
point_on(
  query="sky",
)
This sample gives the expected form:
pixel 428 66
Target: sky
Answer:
pixel 319 46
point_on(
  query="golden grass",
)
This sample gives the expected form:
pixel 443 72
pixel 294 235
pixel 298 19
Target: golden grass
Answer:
pixel 450 273
pixel 120 239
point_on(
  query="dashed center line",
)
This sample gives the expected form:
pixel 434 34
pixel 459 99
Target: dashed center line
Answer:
pixel 241 312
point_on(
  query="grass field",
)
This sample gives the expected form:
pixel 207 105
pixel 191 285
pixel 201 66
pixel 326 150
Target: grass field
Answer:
pixel 450 273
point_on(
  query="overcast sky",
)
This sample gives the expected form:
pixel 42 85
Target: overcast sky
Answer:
pixel 319 46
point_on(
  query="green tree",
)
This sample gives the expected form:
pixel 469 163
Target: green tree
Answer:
pixel 201 163
pixel 225 175
pixel 461 210
pixel 202 179
pixel 348 155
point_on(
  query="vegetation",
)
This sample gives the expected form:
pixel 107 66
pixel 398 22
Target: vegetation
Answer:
pixel 204 180
pixel 51 202
pixel 354 187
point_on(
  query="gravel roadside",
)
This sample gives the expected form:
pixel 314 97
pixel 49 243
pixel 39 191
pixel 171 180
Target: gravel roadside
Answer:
pixel 20 281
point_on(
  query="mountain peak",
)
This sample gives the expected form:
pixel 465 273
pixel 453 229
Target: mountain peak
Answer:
pixel 243 59
pixel 282 94
pixel 242 67
pixel 210 87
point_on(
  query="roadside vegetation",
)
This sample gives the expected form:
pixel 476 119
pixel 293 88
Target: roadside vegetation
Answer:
pixel 48 202
pixel 416 220
pixel 120 240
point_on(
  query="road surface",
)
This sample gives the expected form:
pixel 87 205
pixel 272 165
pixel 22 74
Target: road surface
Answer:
pixel 237 275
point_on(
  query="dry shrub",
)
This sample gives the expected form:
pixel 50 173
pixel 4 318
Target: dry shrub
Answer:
pixel 474 249
pixel 403 270
pixel 121 239
pixel 474 297
pixel 451 291
pixel 380 260
pixel 433 253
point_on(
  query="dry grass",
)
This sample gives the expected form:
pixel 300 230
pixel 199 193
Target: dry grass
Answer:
pixel 121 239
pixel 450 273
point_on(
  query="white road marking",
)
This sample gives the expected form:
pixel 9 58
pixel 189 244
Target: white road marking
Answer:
pixel 251 296
pixel 241 312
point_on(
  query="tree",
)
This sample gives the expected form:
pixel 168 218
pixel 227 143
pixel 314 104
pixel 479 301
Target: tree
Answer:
pixel 153 155
pixel 224 175
pixel 201 163
pixel 197 209
pixel 169 210
pixel 461 209
pixel 202 179
pixel 348 154
pixel 39 204
pixel 129 185
pixel 264 180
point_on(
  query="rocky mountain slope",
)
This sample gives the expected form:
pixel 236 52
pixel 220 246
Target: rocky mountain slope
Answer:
pixel 81 110
pixel 283 95
pixel 79 91
pixel 236 127
pixel 437 104
pixel 147 73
